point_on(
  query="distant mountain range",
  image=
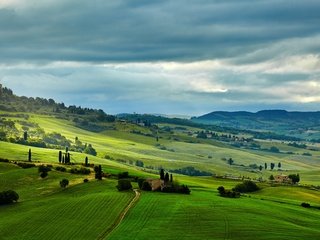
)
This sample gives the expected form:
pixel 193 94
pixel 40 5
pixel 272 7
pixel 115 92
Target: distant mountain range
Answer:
pixel 300 124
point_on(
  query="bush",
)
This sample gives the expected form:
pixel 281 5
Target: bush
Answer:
pixel 9 196
pixel 82 170
pixel 43 174
pixel 140 182
pixel 305 205
pixel 61 169
pixel 228 193
pixel 146 186
pixel 123 175
pixel 246 186
pixel 85 180
pixel 4 160
pixel 64 183
pixel 124 184
pixel 25 165
pixel 43 168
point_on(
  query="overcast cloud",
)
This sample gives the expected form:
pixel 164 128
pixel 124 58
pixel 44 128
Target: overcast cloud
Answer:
pixel 175 57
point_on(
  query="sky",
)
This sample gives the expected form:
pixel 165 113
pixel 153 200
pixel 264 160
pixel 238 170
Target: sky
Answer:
pixel 178 57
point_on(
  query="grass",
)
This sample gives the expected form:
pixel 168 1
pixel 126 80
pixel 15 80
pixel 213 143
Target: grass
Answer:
pixel 204 215
pixel 85 210
pixel 45 211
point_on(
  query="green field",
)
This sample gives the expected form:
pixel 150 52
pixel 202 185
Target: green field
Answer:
pixel 88 210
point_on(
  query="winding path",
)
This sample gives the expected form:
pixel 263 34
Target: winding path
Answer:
pixel 121 216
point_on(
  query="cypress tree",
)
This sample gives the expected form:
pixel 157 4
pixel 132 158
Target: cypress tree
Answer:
pixel 162 174
pixel 63 160
pixel 171 178
pixel 25 136
pixel 86 161
pixel 166 177
pixel 60 156
pixel 29 155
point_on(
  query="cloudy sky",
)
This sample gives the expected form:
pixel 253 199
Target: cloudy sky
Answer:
pixel 170 56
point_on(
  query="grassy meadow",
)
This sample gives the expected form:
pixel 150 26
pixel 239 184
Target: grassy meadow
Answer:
pixel 87 210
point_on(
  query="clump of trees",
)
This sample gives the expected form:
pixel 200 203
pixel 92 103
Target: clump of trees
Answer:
pixel 246 186
pixel 64 183
pixel 25 165
pixel 90 150
pixel 305 205
pixel 191 171
pixel 228 193
pixel 295 178
pixel 8 196
pixel 124 184
pixel 61 169
pixel 81 170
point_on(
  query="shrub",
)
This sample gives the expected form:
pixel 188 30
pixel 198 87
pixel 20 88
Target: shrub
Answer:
pixel 305 205
pixel 146 186
pixel 246 186
pixel 85 180
pixel 64 183
pixel 123 175
pixel 61 169
pixel 43 174
pixel 25 165
pixel 8 196
pixel 4 160
pixel 82 170
pixel 124 184
pixel 43 168
pixel 140 182
pixel 228 193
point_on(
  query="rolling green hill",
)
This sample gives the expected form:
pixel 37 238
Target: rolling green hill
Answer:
pixel 91 210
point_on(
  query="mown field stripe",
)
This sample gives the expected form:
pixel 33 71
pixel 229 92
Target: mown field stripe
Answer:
pixel 121 216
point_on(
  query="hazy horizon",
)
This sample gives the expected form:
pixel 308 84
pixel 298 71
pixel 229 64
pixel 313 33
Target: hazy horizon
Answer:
pixel 168 57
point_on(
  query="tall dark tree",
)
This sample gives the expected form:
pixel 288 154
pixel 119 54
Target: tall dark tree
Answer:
pixel 162 174
pixel 171 178
pixel 86 161
pixel 279 165
pixel 260 168
pixel 230 161
pixel 25 136
pixel 265 165
pixel 60 156
pixel 98 172
pixel 67 149
pixel 166 177
pixel 29 155
pixel 63 159
pixel 272 166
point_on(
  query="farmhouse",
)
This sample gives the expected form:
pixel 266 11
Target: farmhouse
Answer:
pixel 282 179
pixel 156 184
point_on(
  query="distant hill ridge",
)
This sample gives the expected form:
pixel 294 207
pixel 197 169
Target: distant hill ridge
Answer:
pixel 263 114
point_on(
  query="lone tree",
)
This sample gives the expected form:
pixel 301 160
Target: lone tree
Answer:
pixel 25 136
pixel 265 165
pixel 271 178
pixel 279 165
pixel 86 161
pixel 124 184
pixel 260 168
pixel 171 178
pixel 64 183
pixel 98 172
pixel 162 174
pixel 43 170
pixel 9 196
pixel 272 166
pixel 230 161
pixel 60 156
pixel 29 155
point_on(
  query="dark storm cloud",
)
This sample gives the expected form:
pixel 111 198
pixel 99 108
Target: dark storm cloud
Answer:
pixel 131 31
